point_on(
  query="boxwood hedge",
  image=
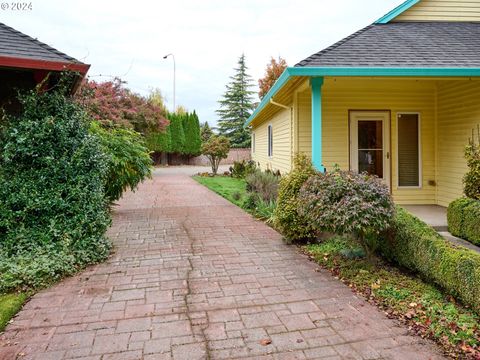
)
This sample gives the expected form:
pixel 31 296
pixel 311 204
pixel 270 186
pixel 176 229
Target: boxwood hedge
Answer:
pixel 463 217
pixel 416 246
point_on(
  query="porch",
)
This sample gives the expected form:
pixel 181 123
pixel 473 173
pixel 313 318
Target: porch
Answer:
pixel 409 131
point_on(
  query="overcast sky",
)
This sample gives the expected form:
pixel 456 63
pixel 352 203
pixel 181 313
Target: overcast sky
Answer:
pixel 129 38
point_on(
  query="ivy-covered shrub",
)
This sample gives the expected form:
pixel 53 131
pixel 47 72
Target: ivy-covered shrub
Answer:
pixel 240 169
pixel 287 219
pixel 344 202
pixel 471 180
pixel 129 161
pixel 416 246
pixel 53 211
pixel 264 184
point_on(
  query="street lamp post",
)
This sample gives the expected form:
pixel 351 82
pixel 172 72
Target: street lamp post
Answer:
pixel 174 70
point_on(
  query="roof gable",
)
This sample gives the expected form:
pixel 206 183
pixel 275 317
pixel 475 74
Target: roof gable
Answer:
pixel 400 9
pixel 434 11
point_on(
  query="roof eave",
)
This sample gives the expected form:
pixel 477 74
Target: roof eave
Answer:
pixel 24 63
pixel 359 72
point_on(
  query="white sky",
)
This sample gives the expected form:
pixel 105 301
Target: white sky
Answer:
pixel 129 38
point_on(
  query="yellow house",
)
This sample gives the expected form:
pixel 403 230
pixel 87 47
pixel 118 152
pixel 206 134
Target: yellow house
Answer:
pixel 398 99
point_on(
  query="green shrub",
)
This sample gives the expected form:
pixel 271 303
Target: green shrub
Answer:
pixel 471 180
pixel 287 219
pixel 416 246
pixel 344 202
pixel 263 183
pixel 53 212
pixel 241 169
pixel 472 222
pixel 455 216
pixel 129 160
pixel 463 217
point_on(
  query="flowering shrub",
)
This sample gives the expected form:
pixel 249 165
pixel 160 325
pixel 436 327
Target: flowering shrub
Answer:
pixel 344 202
pixel 111 101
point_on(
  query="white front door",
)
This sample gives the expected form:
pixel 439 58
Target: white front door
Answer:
pixel 370 143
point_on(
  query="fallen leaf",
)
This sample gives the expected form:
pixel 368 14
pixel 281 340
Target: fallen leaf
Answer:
pixel 265 342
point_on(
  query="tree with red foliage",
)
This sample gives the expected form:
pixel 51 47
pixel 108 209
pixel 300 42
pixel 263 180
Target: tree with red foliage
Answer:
pixel 111 102
pixel 272 73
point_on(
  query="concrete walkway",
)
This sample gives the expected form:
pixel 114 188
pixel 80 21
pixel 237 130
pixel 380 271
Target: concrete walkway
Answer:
pixel 194 277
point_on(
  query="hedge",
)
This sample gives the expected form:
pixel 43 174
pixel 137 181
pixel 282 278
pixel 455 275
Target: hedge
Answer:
pixel 413 244
pixel 463 216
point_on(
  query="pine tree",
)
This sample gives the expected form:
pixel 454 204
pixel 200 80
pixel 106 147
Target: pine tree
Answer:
pixel 206 132
pixel 237 106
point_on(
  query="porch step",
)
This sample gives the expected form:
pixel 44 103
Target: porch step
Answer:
pixel 459 242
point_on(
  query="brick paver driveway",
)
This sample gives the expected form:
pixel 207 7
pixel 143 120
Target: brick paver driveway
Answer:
pixel 194 277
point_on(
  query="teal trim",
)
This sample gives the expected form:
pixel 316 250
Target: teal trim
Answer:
pixel 359 71
pixel 316 85
pixel 397 11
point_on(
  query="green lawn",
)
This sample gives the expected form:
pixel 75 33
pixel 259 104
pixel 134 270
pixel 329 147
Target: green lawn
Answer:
pixel 10 304
pixel 232 189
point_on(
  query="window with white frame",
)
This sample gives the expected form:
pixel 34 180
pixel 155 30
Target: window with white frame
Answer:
pixel 270 141
pixel 408 150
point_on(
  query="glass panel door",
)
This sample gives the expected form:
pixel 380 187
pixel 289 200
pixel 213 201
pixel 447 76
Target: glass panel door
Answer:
pixel 370 147
pixel 370 143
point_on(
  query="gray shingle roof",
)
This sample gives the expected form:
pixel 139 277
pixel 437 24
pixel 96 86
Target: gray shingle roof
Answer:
pixel 15 44
pixel 426 44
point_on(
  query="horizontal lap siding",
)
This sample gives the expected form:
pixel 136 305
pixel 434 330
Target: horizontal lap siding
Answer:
pixel 341 95
pixel 458 114
pixel 442 10
pixel 282 144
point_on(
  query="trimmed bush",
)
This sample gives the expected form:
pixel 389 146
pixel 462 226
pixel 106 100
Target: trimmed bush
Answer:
pixel 455 216
pixel 416 246
pixel 344 202
pixel 53 212
pixel 291 224
pixel 471 222
pixel 463 216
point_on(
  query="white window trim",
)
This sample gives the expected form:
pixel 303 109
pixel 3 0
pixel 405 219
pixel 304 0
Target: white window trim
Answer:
pixel 420 165
pixel 253 142
pixel 270 144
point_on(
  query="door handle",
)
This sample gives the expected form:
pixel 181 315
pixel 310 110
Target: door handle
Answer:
pixel 388 155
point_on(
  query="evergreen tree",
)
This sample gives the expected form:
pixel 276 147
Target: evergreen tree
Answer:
pixel 159 141
pixel 237 106
pixel 206 132
pixel 177 135
pixel 191 128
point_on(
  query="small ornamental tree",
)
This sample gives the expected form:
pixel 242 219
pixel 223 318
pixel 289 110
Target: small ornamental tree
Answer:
pixel 216 149
pixel 344 202
pixel 272 73
pixel 471 180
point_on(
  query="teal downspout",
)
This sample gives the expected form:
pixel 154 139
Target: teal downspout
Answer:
pixel 316 85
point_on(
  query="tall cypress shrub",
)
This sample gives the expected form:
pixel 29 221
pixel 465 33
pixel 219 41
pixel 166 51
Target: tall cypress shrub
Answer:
pixel 177 134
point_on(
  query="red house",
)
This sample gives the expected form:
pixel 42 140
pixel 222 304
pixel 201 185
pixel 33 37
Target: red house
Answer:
pixel 26 62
